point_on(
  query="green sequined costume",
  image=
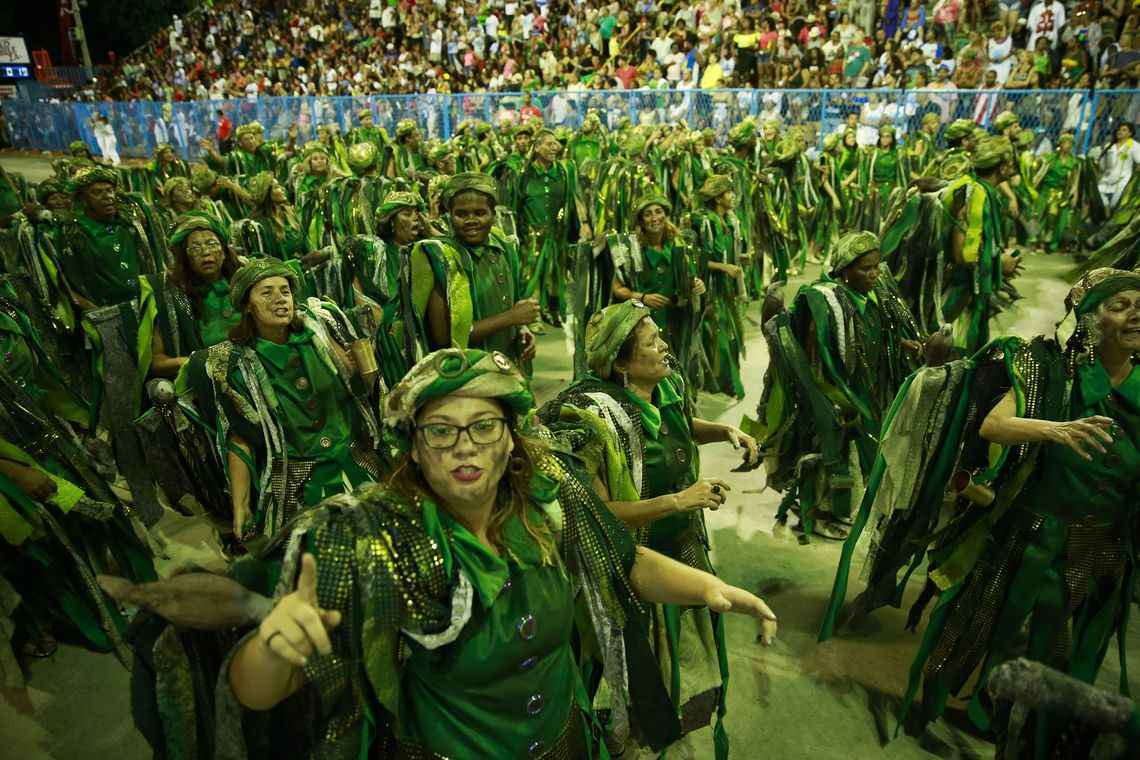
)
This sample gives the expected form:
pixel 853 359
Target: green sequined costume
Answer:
pixel 1053 555
pixel 837 361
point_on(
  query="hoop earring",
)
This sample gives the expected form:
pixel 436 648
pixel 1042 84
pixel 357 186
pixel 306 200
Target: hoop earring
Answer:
pixel 516 466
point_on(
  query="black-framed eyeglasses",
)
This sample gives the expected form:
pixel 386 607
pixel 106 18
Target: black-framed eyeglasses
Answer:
pixel 441 435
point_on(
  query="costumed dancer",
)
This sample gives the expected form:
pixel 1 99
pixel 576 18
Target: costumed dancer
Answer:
pixel 1037 443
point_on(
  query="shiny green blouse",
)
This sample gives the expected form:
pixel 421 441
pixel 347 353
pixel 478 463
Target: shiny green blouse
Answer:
pixel 506 687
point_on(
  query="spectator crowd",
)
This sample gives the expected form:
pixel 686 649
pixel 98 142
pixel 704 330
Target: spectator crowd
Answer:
pixel 242 49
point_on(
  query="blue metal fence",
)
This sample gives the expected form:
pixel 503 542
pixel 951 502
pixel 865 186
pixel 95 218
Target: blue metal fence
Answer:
pixel 1091 115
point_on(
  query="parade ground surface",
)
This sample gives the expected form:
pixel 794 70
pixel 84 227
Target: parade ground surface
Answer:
pixel 796 699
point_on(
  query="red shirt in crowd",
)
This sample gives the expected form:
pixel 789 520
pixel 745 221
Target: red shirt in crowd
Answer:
pixel 225 127
pixel 529 112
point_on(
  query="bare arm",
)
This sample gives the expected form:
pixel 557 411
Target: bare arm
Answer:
pixel 162 365
pixel 661 580
pixel 438 321
pixel 1004 427
pixel 239 482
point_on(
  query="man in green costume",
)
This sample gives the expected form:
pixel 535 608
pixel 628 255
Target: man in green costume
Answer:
pixel 977 245
pixel 467 287
pixel 404 157
pixel 955 160
pixel 588 143
pixel 838 356
pixel 165 166
pixel 367 131
pixel 252 154
pixel 720 240
pixel 507 170
pixel 105 248
pixel 552 218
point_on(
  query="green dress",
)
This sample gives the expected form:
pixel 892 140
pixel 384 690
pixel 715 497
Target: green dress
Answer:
pixel 310 424
pixel 476 282
pixel 657 455
pixel 102 262
pixel 548 221
pixel 1055 196
pixel 446 649
pixel 837 361
pixel 1051 557
pixel 720 240
pixel 507 686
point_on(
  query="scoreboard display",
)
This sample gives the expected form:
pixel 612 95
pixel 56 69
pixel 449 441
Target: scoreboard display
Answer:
pixel 10 71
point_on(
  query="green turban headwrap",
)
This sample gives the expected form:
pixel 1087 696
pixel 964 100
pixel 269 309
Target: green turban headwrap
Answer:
pixel 75 146
pixel 525 128
pixel 651 198
pixel 1005 120
pixel 438 152
pixel 405 128
pixel 1098 286
pixel 1024 138
pixel 830 142
pixel 50 187
pixel 992 151
pixel 172 184
pixel 930 118
pixel 1067 137
pixel 850 248
pixel 469 373
pixel 608 330
pixel 787 149
pixel 742 133
pixel 958 129
pixel 260 186
pixel 89 175
pixel 253 128
pixel 202 180
pixel 192 222
pixel 362 113
pixel 715 186
pixel 315 146
pixel 396 200
pixel 254 272
pixel 465 181
pixel 887 129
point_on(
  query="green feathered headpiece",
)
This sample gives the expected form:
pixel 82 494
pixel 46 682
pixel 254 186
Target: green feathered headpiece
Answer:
pixel 992 151
pixel 958 129
pixel 254 272
pixel 715 186
pixel 469 373
pixel 1097 286
pixel 608 330
pixel 172 184
pixel 51 187
pixel 1005 120
pixel 203 179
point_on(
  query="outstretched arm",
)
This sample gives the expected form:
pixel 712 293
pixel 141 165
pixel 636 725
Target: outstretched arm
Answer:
pixel 1084 436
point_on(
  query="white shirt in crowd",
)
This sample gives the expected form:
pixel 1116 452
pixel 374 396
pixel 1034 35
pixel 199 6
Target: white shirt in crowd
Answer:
pixel 1046 18
pixel 375 9
pixel 251 91
pixel 1117 166
pixel 492 25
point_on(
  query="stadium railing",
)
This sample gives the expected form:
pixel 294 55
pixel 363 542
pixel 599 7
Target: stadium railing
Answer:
pixel 1091 115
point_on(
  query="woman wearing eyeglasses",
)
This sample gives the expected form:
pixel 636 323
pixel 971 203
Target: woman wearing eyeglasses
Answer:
pixel 188 307
pixel 435 616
